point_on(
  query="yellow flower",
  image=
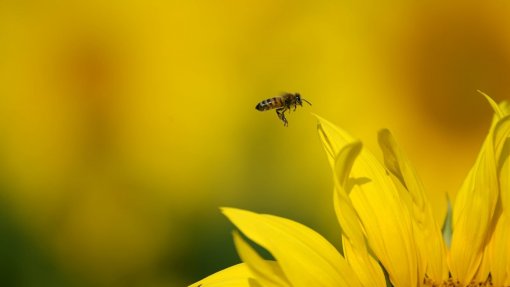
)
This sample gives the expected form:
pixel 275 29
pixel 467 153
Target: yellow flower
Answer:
pixel 388 225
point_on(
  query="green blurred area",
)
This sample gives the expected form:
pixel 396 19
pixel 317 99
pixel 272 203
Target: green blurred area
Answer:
pixel 124 126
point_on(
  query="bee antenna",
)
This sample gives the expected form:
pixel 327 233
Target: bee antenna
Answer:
pixel 307 101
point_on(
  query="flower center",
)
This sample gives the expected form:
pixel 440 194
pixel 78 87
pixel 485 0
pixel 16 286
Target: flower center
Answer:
pixel 453 283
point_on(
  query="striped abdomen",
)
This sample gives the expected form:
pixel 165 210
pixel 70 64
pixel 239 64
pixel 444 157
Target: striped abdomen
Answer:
pixel 269 104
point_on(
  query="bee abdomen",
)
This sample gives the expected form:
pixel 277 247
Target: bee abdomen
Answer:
pixel 268 104
pixel 261 107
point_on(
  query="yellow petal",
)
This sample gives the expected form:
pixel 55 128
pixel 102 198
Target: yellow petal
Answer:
pixel 502 142
pixel 504 106
pixel 432 250
pixel 388 226
pixel 474 206
pixel 234 276
pixel 499 246
pixel 333 139
pixel 499 112
pixel 267 273
pixel 472 214
pixel 305 257
pixel 346 214
pixel 364 265
pixel 354 244
pixel 499 252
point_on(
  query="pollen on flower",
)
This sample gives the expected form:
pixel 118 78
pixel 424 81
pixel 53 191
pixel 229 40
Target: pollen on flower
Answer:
pixel 455 283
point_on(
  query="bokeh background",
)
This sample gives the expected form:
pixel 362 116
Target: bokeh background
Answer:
pixel 125 125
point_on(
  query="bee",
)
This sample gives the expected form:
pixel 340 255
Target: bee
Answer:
pixel 282 104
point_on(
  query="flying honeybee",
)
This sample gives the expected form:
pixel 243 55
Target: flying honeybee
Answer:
pixel 282 104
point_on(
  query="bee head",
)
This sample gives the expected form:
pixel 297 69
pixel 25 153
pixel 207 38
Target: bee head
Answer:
pixel 298 99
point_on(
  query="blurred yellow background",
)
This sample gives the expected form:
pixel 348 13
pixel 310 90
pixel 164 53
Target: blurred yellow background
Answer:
pixel 124 125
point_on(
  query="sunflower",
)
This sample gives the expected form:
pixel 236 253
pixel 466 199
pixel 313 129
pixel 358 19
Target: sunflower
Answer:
pixel 389 232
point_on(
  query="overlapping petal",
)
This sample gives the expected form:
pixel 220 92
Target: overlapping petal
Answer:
pixel 472 216
pixel 498 249
pixel 498 252
pixel 234 276
pixel 474 210
pixel 427 231
pixel 266 272
pixel 387 226
pixel 355 249
pixel 305 257
pixel 501 138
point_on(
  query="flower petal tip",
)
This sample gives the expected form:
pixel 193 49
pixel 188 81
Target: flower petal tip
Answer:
pixel 493 104
pixel 225 209
pixel 229 211
pixel 319 118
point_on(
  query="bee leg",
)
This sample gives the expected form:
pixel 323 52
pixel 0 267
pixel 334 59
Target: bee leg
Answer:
pixel 295 106
pixel 285 122
pixel 281 115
